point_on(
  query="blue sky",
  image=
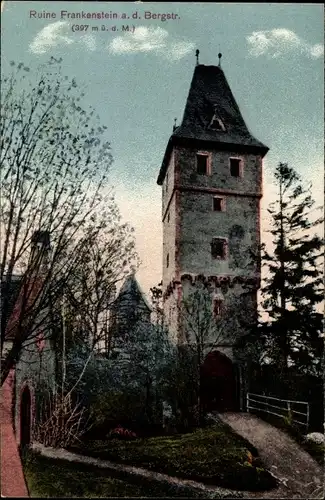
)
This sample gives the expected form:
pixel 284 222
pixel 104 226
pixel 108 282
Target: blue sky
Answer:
pixel 138 82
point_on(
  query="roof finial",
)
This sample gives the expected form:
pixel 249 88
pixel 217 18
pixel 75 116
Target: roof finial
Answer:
pixel 197 52
pixel 220 56
pixel 175 126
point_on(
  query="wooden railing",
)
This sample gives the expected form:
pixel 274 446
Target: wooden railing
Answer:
pixel 283 408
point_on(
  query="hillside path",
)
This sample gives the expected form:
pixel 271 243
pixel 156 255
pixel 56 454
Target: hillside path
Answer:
pixel 299 474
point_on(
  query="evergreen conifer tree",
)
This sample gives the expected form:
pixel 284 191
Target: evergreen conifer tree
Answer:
pixel 293 289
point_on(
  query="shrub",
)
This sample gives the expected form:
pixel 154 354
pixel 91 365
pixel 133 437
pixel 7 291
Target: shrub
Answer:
pixel 249 457
pixel 126 409
pixel 121 433
pixel 288 420
pixel 114 408
pixel 248 477
pixel 315 437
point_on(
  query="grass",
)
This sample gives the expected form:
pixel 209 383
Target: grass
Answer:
pixel 316 451
pixel 47 478
pixel 213 455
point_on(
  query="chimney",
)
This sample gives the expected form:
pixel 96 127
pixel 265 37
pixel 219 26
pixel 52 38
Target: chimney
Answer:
pixel 40 248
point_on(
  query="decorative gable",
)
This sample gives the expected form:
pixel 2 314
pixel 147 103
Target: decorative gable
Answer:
pixel 216 122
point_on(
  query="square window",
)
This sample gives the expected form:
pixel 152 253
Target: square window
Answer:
pixel 218 248
pixel 202 164
pixel 235 167
pixel 218 204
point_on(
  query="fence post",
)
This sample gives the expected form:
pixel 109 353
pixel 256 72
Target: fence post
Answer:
pixel 289 413
pixel 307 418
pixel 247 402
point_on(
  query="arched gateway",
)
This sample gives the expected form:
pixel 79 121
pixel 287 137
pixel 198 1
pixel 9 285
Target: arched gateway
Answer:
pixel 219 383
pixel 25 417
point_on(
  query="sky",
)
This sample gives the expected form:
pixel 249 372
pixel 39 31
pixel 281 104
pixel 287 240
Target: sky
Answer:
pixel 138 82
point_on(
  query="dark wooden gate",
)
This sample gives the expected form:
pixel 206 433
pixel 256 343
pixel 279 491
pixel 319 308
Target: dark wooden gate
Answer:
pixel 219 390
pixel 25 417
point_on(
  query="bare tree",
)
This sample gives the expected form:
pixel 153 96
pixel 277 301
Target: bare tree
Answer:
pixel 54 163
pixel 91 289
pixel 62 421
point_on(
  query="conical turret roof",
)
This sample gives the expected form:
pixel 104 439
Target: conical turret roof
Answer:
pixel 131 289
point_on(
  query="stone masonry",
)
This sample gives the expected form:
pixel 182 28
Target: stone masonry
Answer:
pixel 216 206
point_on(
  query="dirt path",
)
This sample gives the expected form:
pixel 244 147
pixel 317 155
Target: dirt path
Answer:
pixel 299 473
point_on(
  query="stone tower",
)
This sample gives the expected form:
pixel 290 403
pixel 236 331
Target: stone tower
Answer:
pixel 211 178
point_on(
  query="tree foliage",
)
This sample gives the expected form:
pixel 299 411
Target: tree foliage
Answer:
pixel 293 287
pixel 144 352
pixel 55 161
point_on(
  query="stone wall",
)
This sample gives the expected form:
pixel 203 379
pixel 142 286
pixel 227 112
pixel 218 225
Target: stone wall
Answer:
pixel 249 182
pixel 12 476
pixel 238 223
pixel 169 218
pixel 36 369
pixel 192 224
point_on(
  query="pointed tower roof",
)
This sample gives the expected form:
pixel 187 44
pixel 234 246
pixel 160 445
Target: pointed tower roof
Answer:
pixel 131 288
pixel 212 117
